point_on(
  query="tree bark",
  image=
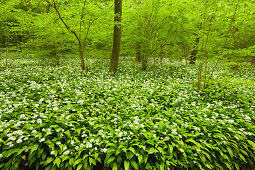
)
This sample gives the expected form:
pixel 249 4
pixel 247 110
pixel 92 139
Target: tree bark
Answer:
pixel 193 54
pixel 117 37
pixel 144 63
pixel 82 59
pixel 253 60
pixel 138 52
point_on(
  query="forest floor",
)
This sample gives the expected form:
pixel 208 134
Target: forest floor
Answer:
pixel 59 116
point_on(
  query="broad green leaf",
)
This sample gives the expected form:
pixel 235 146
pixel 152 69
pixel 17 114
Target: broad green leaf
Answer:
pixel 252 144
pixel 57 161
pixel 114 166
pixel 79 167
pixel 140 159
pixel 134 164
pixel 49 159
pixel 33 148
pixel 126 165
pixel 112 158
pixel 92 161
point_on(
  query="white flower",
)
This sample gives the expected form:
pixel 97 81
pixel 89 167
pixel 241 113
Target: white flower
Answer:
pixel 9 144
pixel 100 132
pixel 89 145
pixel 19 141
pixel 1 155
pixel 34 131
pixel 66 152
pixel 58 143
pixel 22 116
pixel 196 128
pixel 52 152
pixel 174 132
pixel 39 121
pixel 12 138
pixel 76 147
pixel 55 108
pixel 42 140
pixel 103 150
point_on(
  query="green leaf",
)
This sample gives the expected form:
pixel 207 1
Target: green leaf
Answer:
pixel 140 159
pixel 118 151
pixel 193 141
pixel 44 155
pixel 242 157
pixel 57 161
pixel 130 155
pixel 92 161
pixel 228 165
pixel 252 144
pixel 77 161
pixel 33 148
pixel 126 165
pixel 16 165
pixel 134 164
pixel 112 158
pixel 230 152
pixel 49 159
pixel 170 150
pixel 114 167
pixel 162 166
pixel 48 167
pixel 152 150
pixel 67 133
pixel 79 167
pixel 132 149
pixel 160 149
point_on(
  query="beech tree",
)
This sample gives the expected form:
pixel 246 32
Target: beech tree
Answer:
pixel 117 36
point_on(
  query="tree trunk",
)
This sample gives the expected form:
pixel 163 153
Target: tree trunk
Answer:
pixel 117 36
pixel 161 54
pixel 138 53
pixel 253 60
pixel 193 54
pixel 82 59
pixel 144 63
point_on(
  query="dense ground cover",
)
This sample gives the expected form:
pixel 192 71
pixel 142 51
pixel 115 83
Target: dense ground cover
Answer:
pixel 63 118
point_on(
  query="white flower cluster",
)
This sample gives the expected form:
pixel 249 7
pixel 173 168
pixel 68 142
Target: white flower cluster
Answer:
pixel 104 150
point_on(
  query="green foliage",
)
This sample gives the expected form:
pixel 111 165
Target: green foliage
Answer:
pixel 63 118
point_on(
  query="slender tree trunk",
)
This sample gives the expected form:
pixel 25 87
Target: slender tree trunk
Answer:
pixel 161 54
pixel 253 60
pixel 193 54
pixel 82 58
pixel 117 36
pixel 144 62
pixel 138 52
